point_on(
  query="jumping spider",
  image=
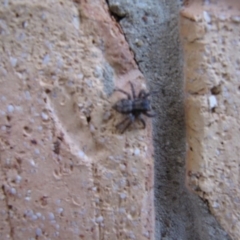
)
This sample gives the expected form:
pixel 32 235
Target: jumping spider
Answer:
pixel 134 106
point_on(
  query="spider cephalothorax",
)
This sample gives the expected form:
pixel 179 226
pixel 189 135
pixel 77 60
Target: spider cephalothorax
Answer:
pixel 134 106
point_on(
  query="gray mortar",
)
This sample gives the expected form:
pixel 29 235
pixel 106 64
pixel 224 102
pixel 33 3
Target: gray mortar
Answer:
pixel 151 29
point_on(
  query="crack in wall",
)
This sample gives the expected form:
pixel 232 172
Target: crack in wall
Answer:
pixel 115 12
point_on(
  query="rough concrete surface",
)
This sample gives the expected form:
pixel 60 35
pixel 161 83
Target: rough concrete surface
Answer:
pixel 212 106
pixel 66 173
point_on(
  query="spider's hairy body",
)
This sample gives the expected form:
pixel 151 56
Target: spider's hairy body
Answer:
pixel 126 106
pixel 134 106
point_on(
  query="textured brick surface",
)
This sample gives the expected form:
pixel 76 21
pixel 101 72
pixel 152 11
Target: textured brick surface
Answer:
pixel 212 65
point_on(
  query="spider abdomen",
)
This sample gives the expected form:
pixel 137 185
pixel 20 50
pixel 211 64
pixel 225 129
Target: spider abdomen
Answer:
pixel 141 105
pixel 131 106
pixel 123 106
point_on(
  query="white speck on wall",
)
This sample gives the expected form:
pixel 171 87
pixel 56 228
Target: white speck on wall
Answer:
pixel 33 163
pixel 51 216
pixel 44 116
pixel 43 16
pixel 3 98
pixel 8 161
pixel 38 232
pixel 18 179
pixel 40 128
pixel 38 214
pixel 10 108
pixel 13 61
pixel 99 219
pixel 215 205
pixel 57 226
pixel 111 158
pixel 80 76
pixel 212 101
pixel 138 42
pixel 236 19
pixel 60 210
pixel 46 59
pixel 222 17
pixel 37 151
pixel 34 217
pixel 131 235
pixel 29 213
pixel 60 62
pixel 13 191
pixel 27 198
pixel 121 210
pixel 123 195
pixel 146 234
pixel 81 154
pixel 143 86
pixel 25 24
pixel 217 152
pixel 134 170
pixel 122 167
pixel 136 151
pixel 92 128
pixel 207 17
pixel 76 22
pixel 98 72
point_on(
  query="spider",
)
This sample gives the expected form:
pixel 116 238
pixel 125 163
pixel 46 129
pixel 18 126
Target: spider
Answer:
pixel 134 106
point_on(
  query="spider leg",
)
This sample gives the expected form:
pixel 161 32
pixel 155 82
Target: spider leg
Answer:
pixel 133 90
pixel 130 119
pixel 142 94
pixel 122 122
pixel 124 92
pixel 142 121
pixel 149 114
